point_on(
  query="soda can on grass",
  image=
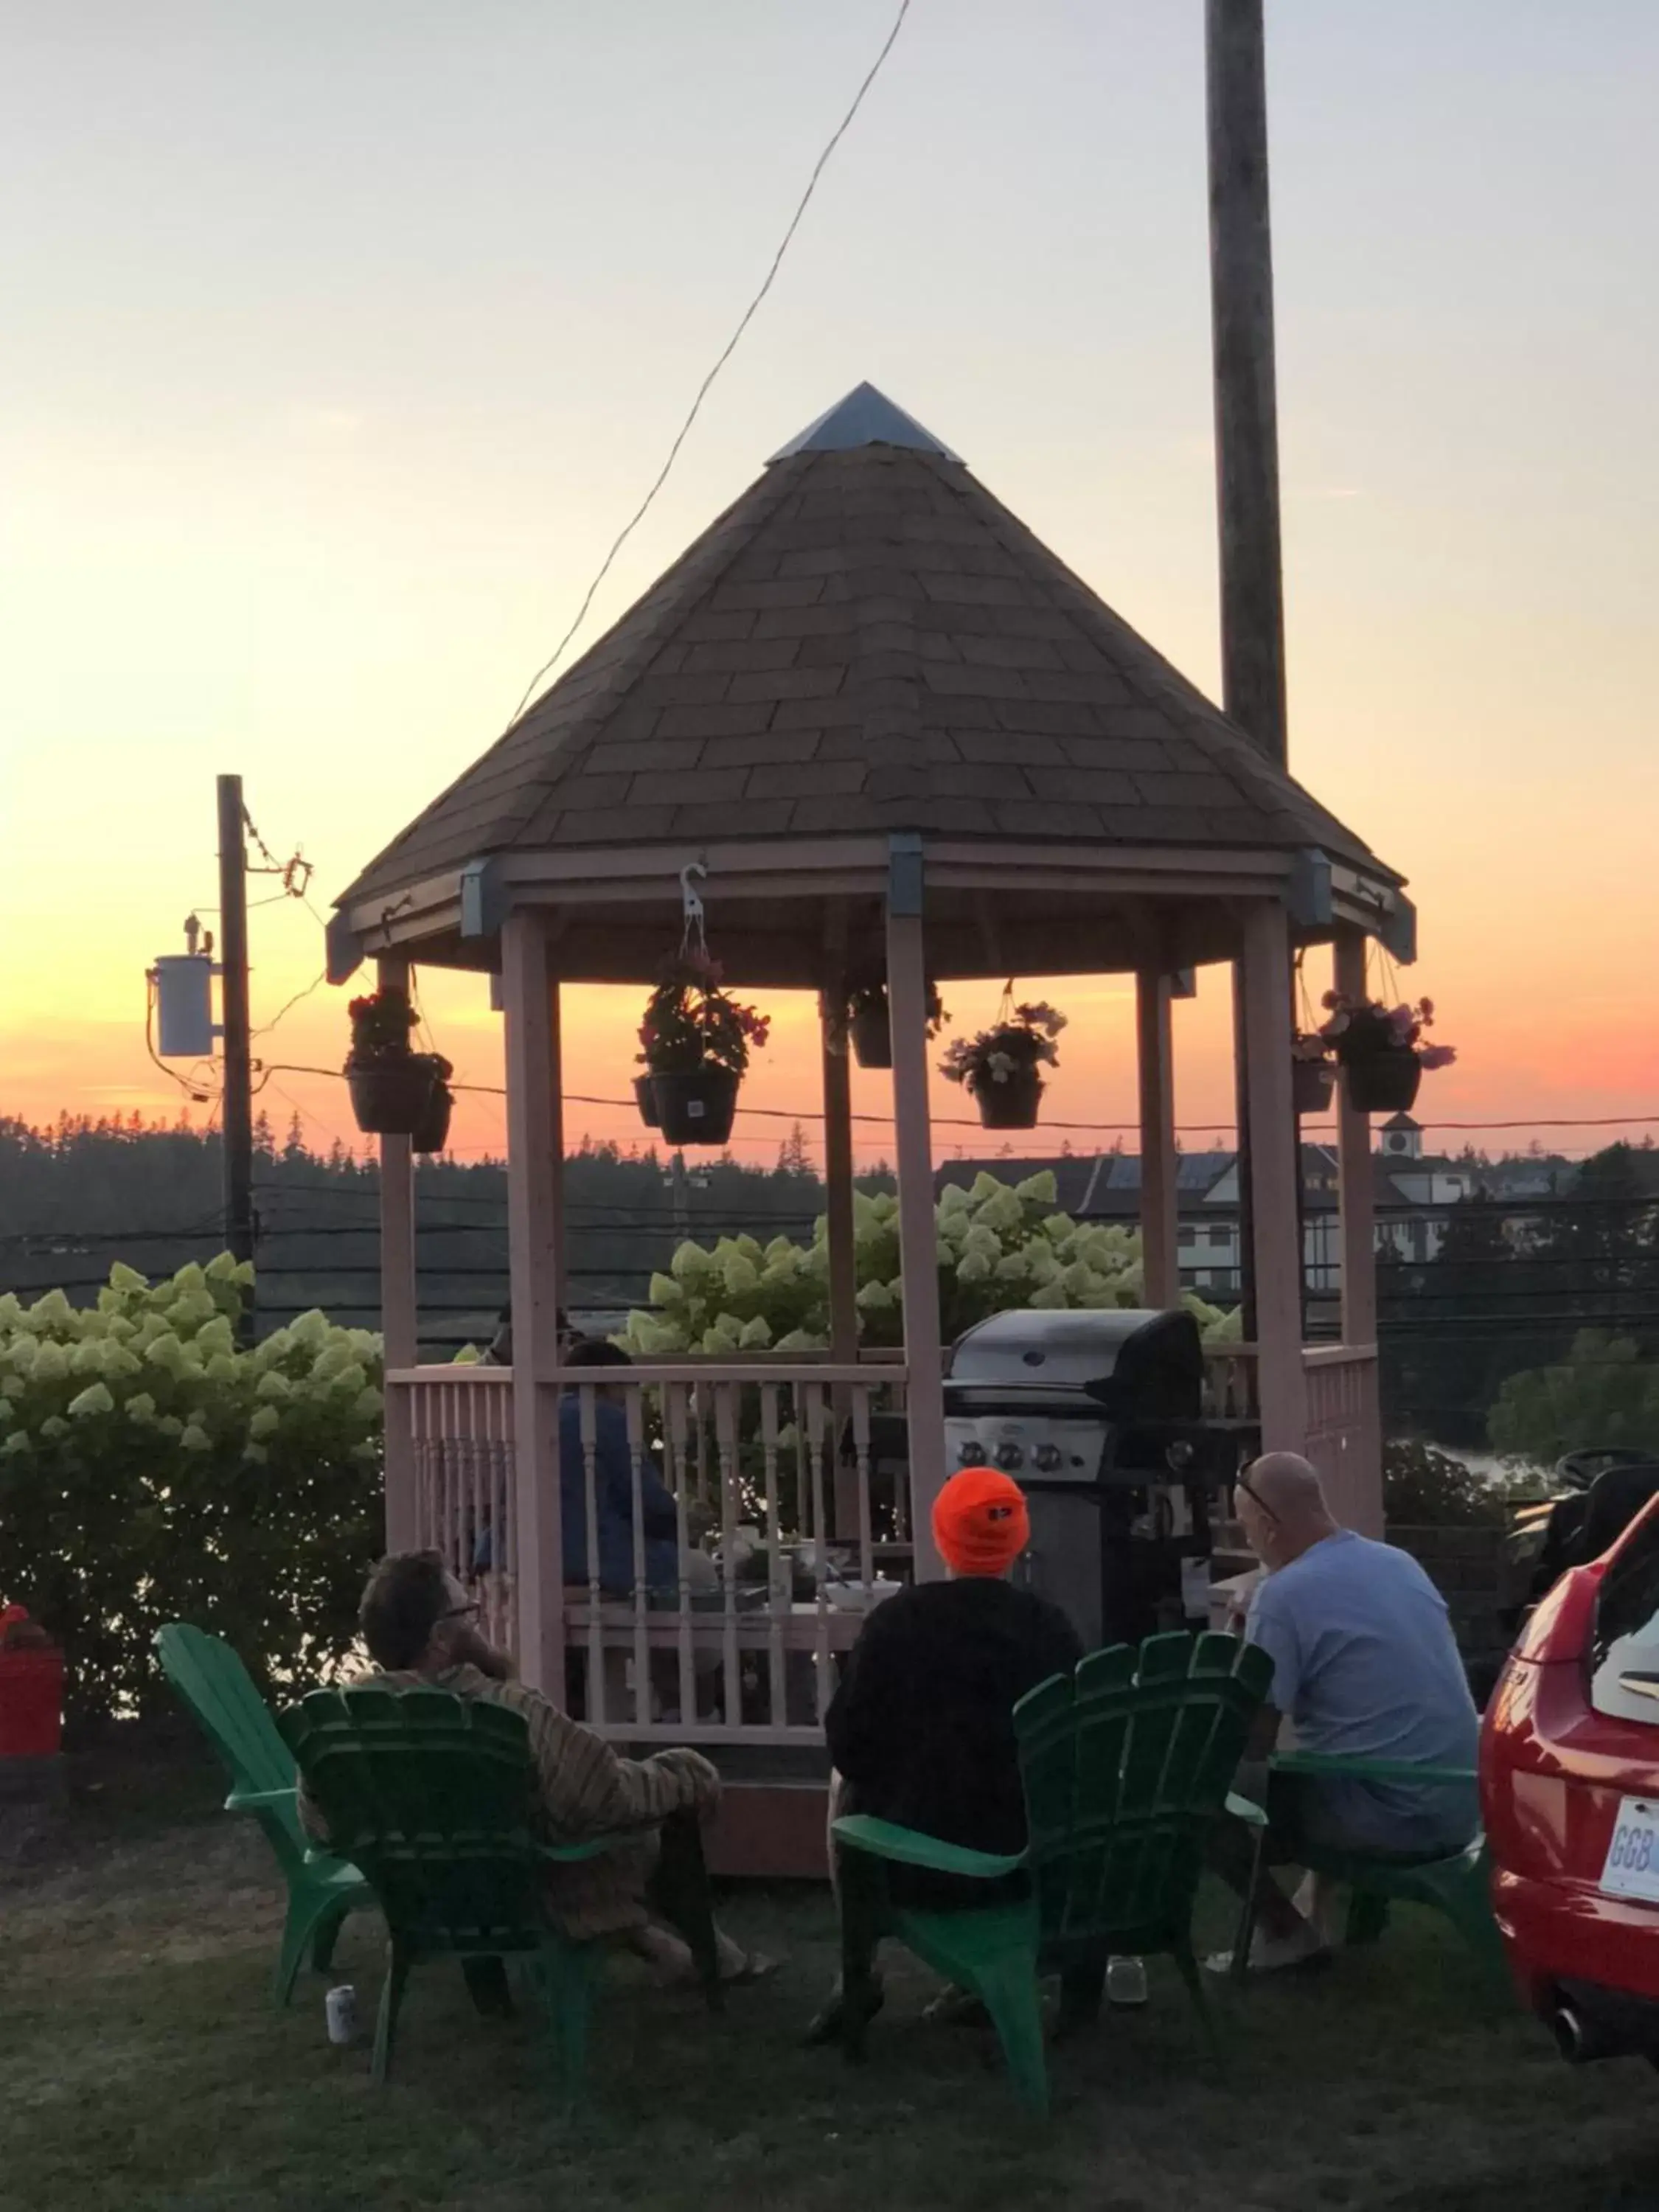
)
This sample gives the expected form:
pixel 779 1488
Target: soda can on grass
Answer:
pixel 341 2005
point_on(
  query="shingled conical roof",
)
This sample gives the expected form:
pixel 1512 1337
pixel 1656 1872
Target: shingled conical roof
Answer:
pixel 867 640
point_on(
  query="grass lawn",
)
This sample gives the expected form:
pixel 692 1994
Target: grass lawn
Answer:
pixel 142 2066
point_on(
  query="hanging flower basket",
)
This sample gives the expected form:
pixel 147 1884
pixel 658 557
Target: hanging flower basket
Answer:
pixel 645 1099
pixel 1385 1081
pixel 390 1086
pixel 1313 1075
pixel 870 1023
pixel 696 1041
pixel 431 1132
pixel 696 1106
pixel 1002 1067
pixel 1379 1049
pixel 871 1028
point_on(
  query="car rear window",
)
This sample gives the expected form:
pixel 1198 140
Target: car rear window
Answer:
pixel 1625 1658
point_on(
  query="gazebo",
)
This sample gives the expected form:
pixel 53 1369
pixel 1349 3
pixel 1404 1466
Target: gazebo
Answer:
pixel 895 732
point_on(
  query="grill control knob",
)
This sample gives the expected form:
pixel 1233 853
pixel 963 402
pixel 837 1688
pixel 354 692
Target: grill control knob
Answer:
pixel 1009 1456
pixel 971 1455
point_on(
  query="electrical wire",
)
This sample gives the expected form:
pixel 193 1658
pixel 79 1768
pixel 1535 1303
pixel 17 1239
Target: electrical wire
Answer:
pixel 727 352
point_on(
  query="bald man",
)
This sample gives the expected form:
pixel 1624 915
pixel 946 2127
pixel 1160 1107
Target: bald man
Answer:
pixel 1365 1666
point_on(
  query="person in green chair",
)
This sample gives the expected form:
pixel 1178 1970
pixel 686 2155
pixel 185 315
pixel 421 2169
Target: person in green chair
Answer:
pixel 422 1631
pixel 1365 1666
pixel 921 1729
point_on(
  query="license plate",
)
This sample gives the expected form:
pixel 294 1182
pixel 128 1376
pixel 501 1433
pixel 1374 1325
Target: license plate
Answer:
pixel 1632 1860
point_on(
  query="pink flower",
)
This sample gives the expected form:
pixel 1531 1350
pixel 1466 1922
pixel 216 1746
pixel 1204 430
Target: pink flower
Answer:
pixel 1436 1055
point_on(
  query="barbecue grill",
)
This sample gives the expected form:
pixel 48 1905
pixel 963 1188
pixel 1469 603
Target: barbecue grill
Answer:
pixel 1098 1416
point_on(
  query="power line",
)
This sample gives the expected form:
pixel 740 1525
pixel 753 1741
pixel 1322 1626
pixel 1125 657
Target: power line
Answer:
pixel 727 352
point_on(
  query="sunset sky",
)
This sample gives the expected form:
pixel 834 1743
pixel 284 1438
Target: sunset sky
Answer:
pixel 342 340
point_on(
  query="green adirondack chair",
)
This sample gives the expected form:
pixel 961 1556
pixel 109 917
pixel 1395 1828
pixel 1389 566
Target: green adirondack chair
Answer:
pixel 433 1795
pixel 1125 1766
pixel 321 1888
pixel 1456 1883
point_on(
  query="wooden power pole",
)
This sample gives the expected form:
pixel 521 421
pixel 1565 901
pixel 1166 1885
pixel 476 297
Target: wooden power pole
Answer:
pixel 1247 450
pixel 236 1109
pixel 1246 405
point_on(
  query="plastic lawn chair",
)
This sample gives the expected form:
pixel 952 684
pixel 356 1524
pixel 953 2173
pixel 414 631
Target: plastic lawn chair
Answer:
pixel 434 1797
pixel 1457 1883
pixel 1125 1766
pixel 321 1888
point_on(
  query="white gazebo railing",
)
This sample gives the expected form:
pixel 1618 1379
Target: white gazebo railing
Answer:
pixel 785 1510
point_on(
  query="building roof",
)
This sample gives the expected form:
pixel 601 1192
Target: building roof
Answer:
pixel 865 641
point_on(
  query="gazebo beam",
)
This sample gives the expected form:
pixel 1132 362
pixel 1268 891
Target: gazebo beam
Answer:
pixel 535 1142
pixel 1273 1165
pixel 907 999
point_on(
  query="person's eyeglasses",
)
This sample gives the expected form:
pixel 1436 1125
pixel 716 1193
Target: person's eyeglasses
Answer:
pixel 1242 1481
pixel 461 1612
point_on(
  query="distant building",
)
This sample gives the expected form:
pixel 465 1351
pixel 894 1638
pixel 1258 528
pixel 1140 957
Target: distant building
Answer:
pixel 1414 1193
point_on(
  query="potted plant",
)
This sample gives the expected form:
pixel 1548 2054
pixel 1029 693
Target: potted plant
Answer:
pixel 1002 1066
pixel 645 1098
pixel 390 1086
pixel 1313 1073
pixel 696 1041
pixel 869 1022
pixel 431 1132
pixel 1380 1050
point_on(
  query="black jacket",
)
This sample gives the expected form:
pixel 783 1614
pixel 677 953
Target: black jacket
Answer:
pixel 921 1727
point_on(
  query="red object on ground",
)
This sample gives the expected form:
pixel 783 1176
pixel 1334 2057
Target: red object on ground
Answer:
pixel 1570 1792
pixel 31 1690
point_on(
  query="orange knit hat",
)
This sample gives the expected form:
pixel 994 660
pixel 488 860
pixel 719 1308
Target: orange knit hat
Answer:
pixel 979 1522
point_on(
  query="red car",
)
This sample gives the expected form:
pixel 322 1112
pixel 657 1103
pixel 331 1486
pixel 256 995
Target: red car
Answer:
pixel 1570 1788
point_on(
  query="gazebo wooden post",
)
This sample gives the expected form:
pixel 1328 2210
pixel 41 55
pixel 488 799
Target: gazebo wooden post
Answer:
pixel 1277 1235
pixel 1357 1198
pixel 399 1312
pixel 1159 1167
pixel 906 999
pixel 838 1212
pixel 535 1153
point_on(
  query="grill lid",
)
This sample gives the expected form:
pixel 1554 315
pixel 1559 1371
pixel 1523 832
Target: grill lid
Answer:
pixel 1060 1349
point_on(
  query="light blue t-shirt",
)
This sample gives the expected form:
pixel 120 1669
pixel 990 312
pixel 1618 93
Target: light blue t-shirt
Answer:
pixel 1365 1664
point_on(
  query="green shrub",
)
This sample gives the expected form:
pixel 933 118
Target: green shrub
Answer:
pixel 1604 1393
pixel 1424 1488
pixel 999 1247
pixel 152 1469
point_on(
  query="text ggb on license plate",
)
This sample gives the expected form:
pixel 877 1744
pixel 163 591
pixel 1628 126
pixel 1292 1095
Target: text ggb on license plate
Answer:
pixel 1632 1862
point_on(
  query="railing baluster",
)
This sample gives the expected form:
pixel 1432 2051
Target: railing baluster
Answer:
pixel 675 1411
pixel 779 1591
pixel 861 1460
pixel 810 1398
pixel 596 1682
pixel 726 1434
pixel 635 1402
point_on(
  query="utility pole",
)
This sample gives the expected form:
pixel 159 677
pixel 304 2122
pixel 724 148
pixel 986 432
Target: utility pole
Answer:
pixel 1246 452
pixel 236 1110
pixel 1246 404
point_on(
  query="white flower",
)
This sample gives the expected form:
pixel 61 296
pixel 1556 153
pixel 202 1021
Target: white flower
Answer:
pixel 264 1421
pixel 95 1399
pixel 195 1438
pixel 15 1445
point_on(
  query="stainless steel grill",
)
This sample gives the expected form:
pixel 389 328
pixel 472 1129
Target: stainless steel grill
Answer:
pixel 1098 1416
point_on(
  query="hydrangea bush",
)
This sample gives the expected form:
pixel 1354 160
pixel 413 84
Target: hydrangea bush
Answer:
pixel 999 1246
pixel 154 1469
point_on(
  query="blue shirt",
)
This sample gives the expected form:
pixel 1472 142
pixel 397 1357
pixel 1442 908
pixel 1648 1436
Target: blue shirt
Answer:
pixel 613 1491
pixel 1365 1665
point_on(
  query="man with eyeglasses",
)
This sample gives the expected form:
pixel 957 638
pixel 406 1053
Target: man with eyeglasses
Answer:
pixel 1365 1666
pixel 422 1631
